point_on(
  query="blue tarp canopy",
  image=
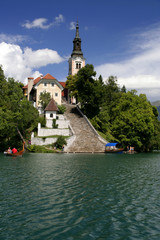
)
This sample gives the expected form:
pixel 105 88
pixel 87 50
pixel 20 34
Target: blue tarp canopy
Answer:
pixel 111 144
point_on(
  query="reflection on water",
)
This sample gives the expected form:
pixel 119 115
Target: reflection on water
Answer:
pixel 88 196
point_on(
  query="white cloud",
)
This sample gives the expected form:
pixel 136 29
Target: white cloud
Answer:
pixel 59 19
pixel 72 26
pixel 41 57
pixel 20 64
pixel 37 23
pixel 9 38
pixel 42 22
pixel 142 70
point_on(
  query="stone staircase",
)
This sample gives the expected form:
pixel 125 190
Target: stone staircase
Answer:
pixel 86 140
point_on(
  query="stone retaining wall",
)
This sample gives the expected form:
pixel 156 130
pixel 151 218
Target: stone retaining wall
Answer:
pixel 62 123
pixel 45 141
pixel 42 141
pixel 42 132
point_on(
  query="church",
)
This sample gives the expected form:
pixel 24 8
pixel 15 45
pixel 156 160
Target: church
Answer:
pixel 50 84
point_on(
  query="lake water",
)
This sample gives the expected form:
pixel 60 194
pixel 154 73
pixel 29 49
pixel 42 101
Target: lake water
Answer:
pixel 80 196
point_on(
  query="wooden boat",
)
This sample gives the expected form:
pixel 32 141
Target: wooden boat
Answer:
pixel 113 148
pixel 17 154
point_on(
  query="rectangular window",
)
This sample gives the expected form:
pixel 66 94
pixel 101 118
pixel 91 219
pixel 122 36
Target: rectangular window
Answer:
pixel 52 84
pixel 76 65
pixel 45 84
pixel 56 94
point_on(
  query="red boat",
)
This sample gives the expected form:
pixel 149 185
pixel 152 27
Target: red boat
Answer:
pixel 17 154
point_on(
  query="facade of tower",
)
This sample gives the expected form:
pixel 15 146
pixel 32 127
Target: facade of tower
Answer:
pixel 76 61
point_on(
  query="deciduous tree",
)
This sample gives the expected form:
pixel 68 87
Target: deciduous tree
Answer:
pixel 45 98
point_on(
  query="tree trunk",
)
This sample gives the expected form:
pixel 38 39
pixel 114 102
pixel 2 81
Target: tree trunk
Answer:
pixel 25 145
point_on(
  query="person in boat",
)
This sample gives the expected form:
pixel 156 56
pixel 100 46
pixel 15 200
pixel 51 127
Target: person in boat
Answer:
pixel 9 150
pixel 14 150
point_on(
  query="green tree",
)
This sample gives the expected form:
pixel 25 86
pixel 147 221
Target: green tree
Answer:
pixel 45 98
pixel 101 80
pixel 111 89
pixel 30 116
pixel 89 90
pixel 71 85
pixel 15 111
pixel 102 121
pixel 133 121
pixel 3 88
pixel 61 109
pixel 123 89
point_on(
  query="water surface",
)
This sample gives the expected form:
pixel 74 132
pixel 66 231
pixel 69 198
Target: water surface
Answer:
pixel 80 196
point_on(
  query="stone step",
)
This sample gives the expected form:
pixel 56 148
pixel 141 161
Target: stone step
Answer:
pixel 86 139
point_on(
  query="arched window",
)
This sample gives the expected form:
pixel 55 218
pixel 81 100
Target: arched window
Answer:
pixel 76 65
pixel 79 65
pixel 51 115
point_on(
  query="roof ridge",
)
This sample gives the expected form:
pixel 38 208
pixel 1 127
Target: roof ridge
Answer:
pixel 48 76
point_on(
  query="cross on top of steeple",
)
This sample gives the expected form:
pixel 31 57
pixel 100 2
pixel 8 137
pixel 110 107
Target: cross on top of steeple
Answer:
pixel 77 30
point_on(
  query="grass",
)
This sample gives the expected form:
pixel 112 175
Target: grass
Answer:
pixel 42 149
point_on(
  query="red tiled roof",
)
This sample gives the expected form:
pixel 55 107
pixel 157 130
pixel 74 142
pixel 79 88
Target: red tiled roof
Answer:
pixel 63 84
pixel 36 80
pixel 51 106
pixel 48 76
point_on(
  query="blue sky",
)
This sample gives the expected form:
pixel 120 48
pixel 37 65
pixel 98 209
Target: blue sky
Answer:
pixel 119 37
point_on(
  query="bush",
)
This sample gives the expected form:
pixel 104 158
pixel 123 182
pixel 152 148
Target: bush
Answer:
pixel 32 148
pixel 54 125
pixel 62 109
pixel 42 120
pixel 39 149
pixel 61 141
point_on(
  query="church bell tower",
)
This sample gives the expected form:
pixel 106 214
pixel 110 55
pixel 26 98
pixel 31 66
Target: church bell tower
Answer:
pixel 76 61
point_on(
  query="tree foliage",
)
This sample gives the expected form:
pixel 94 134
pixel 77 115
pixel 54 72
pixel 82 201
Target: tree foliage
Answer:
pixel 61 109
pixel 15 111
pixel 133 121
pixel 61 141
pixel 120 115
pixel 45 98
pixel 71 85
pixel 89 90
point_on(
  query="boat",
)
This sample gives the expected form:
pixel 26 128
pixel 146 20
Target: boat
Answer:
pixel 113 148
pixel 17 154
pixel 131 150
